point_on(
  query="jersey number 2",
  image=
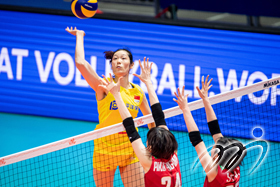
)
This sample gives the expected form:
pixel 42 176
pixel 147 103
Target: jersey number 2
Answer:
pixel 167 181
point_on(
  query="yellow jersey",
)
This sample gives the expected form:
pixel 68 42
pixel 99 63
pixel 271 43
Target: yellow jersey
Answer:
pixel 117 144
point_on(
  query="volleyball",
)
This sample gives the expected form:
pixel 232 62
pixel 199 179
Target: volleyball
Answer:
pixel 84 8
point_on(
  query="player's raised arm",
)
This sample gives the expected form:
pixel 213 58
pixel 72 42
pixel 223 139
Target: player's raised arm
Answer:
pixel 145 77
pixel 145 109
pixel 194 135
pixel 135 139
pixel 84 67
pixel 210 113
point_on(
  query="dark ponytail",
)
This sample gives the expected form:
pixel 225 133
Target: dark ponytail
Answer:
pixel 109 55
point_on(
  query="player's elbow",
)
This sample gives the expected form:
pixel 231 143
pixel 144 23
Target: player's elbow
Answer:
pixel 79 62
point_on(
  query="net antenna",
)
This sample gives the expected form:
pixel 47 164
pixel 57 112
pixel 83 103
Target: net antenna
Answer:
pixel 75 140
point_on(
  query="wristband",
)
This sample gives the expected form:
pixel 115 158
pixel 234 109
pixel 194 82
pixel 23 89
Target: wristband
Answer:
pixel 131 131
pixel 195 137
pixel 158 114
pixel 214 127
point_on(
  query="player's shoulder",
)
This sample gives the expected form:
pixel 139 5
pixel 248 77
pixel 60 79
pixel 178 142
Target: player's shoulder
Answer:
pixel 226 177
pixel 136 86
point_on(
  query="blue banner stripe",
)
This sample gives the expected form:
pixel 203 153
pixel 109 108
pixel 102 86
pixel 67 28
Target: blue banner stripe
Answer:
pixel 30 43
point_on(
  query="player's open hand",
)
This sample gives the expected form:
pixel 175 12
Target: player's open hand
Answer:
pixel 75 31
pixel 111 86
pixel 182 99
pixel 203 92
pixel 145 75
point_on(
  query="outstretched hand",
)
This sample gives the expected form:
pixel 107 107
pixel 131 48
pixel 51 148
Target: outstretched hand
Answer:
pixel 111 86
pixel 203 92
pixel 75 31
pixel 145 75
pixel 182 99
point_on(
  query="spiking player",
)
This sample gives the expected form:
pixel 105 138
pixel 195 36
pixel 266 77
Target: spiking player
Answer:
pixel 222 168
pixel 114 150
pixel 159 159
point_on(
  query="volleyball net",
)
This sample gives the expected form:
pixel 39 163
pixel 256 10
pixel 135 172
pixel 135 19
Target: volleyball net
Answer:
pixel 250 114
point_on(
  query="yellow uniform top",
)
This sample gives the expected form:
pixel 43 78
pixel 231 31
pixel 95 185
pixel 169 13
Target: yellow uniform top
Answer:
pixel 117 144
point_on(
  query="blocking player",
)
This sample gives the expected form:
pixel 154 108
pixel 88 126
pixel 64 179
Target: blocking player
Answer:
pixel 222 167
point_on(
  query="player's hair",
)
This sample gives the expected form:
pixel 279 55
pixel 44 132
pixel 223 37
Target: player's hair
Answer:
pixel 161 143
pixel 228 157
pixel 109 54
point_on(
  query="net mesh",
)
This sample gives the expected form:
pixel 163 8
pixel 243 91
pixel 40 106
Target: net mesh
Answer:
pixel 254 120
pixel 255 125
